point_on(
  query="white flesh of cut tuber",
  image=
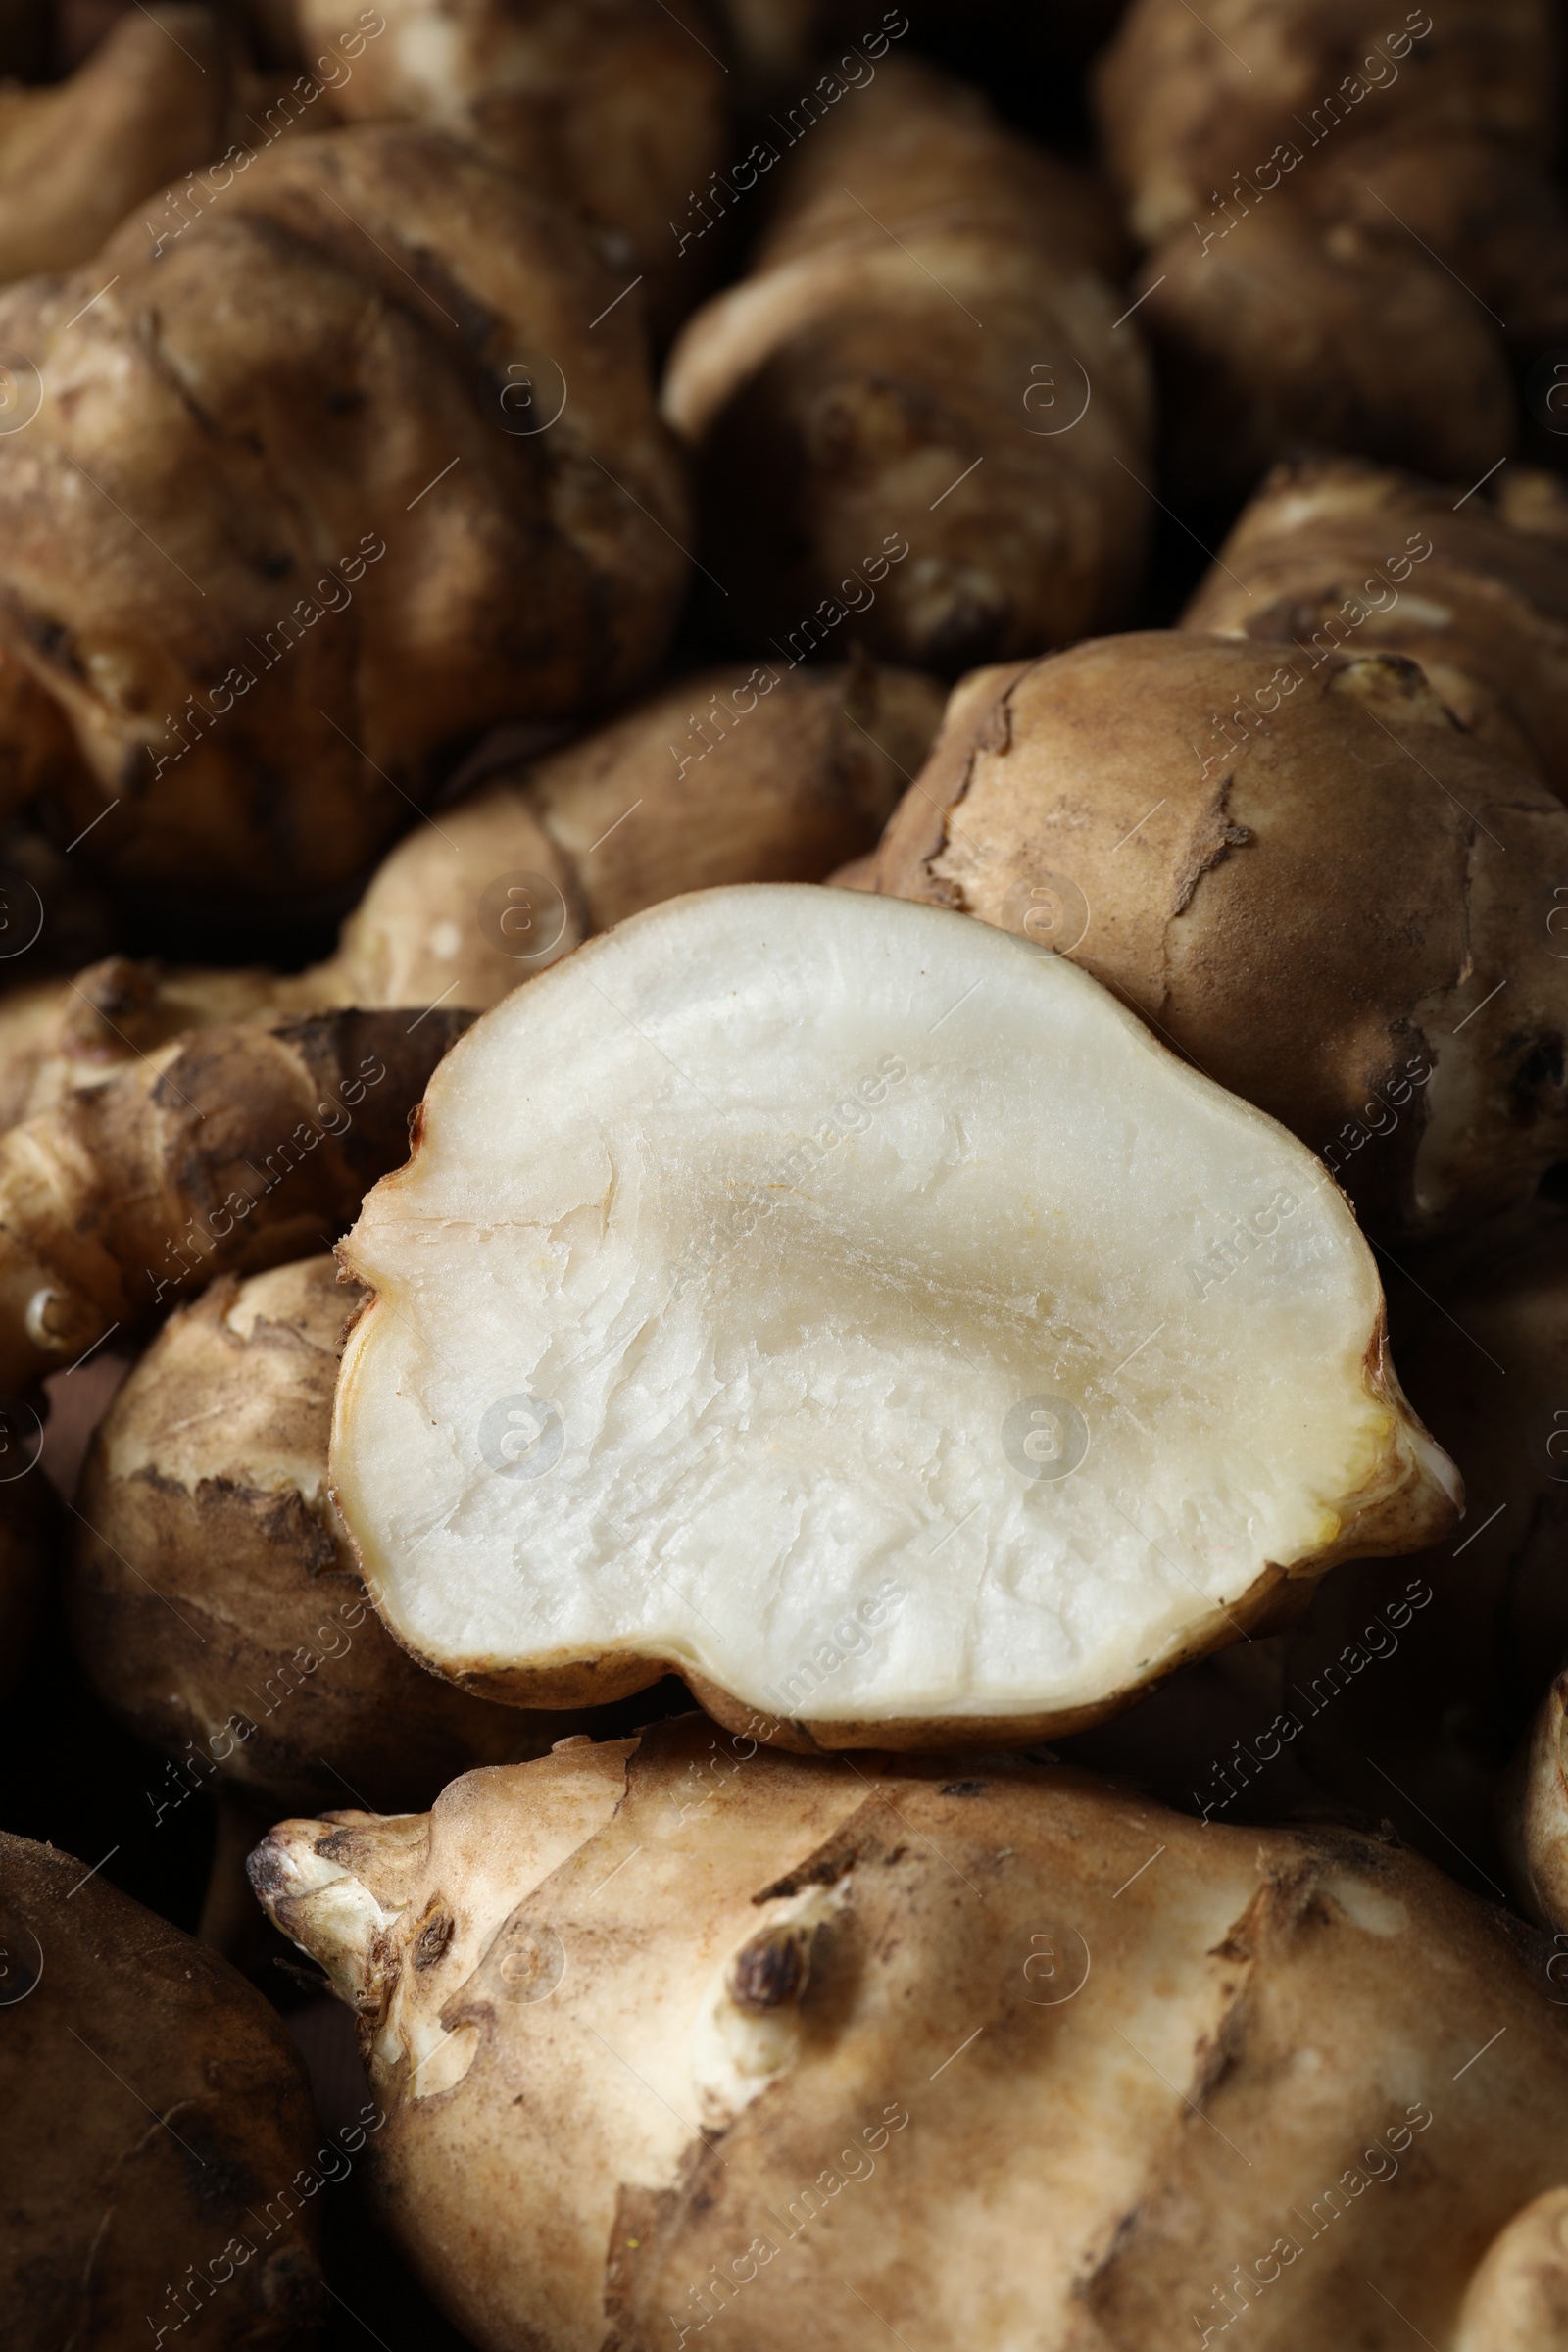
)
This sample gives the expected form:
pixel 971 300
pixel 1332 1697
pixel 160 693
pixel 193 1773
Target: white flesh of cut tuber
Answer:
pixel 862 1312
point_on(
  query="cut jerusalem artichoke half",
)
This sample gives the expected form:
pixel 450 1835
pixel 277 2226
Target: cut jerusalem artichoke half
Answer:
pixel 865 1315
pixel 1012 2058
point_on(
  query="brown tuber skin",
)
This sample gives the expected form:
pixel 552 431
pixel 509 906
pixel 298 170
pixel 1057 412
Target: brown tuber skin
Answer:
pixel 227 1151
pixel 835 398
pixel 323 625
pixel 157 2122
pixel 617 107
pixel 1343 209
pixel 1478 597
pixel 213 1599
pixel 979 2050
pixel 1223 834
pixel 747 774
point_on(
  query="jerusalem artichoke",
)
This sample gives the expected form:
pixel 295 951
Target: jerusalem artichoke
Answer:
pixel 918 419
pixel 158 2127
pixel 987 2055
pixel 1224 833
pixel 863 1315
pixel 384 479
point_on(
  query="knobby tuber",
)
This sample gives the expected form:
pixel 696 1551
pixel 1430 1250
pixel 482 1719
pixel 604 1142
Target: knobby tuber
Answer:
pixel 998 2053
pixel 1292 863
pixel 865 1315
pixel 916 421
pixel 381 480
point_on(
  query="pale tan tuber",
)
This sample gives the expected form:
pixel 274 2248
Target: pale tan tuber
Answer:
pixel 997 2054
pixel 1518 2299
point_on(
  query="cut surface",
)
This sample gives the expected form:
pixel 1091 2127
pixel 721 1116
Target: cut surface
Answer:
pixel 860 1311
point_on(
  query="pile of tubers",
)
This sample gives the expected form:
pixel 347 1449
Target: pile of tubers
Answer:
pixel 783 1175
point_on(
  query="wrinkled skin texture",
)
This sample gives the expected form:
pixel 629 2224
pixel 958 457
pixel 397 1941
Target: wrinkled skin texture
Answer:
pixel 114 2190
pixel 210 1577
pixel 734 775
pixel 776 2040
pixel 1329 191
pixel 618 107
pixel 147 107
pixel 228 1150
pixel 1486 612
pixel 279 628
pixel 1222 833
pixel 836 396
